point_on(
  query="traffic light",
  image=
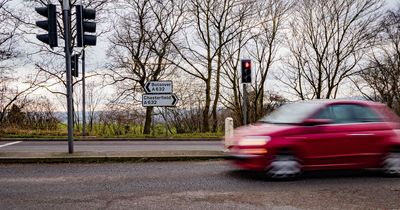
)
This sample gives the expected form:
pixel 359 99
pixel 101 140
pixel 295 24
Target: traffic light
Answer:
pixel 75 65
pixel 83 26
pixel 49 25
pixel 246 71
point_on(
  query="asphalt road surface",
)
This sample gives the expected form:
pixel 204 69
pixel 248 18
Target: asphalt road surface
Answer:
pixel 105 146
pixel 187 185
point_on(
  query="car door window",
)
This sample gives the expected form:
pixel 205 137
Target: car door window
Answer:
pixel 343 114
pixel 348 113
pixel 365 114
pixel 325 113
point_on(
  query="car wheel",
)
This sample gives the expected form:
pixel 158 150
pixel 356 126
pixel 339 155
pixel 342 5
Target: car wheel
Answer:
pixel 391 163
pixel 284 166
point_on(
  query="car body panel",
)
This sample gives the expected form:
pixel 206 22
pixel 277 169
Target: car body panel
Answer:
pixel 325 146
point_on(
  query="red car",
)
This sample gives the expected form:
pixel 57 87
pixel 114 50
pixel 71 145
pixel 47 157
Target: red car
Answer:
pixel 319 135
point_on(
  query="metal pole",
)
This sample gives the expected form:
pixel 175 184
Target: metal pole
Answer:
pixel 72 96
pixel 152 122
pixel 67 32
pixel 83 95
pixel 244 104
pixel 166 122
pixel 83 84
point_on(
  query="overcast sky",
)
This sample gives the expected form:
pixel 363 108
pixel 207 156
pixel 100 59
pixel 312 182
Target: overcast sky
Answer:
pixel 96 55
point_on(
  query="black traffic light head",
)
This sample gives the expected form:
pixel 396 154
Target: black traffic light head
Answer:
pixel 50 25
pixel 83 26
pixel 75 65
pixel 246 70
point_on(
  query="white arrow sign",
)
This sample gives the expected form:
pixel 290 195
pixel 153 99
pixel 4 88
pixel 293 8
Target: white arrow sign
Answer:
pixel 159 100
pixel 162 87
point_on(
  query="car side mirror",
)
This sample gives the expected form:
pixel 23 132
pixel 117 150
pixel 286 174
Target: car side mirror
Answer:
pixel 312 121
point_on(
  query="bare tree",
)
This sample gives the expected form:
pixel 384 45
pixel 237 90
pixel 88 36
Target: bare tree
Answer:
pixel 259 40
pixel 380 80
pixel 40 114
pixel 264 45
pixel 187 116
pixel 142 46
pixel 233 52
pixel 10 37
pixel 327 42
pixel 94 95
pixel 117 119
pixel 50 63
pixel 212 25
pixel 49 73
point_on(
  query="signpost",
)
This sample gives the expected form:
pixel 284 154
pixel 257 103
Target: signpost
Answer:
pixel 158 87
pixel 159 94
pixel 159 100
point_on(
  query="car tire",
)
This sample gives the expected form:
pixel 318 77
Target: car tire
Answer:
pixel 284 165
pixel 391 163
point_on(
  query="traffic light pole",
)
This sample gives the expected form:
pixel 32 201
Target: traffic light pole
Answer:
pixel 83 95
pixel 67 36
pixel 245 104
pixel 246 78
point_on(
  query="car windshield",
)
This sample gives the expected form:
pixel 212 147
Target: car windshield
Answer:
pixel 291 113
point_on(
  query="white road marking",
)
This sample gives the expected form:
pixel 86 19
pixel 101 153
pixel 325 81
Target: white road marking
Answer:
pixel 9 144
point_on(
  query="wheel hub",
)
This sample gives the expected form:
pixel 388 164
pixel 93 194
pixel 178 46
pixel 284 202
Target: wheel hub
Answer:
pixel 391 164
pixel 283 167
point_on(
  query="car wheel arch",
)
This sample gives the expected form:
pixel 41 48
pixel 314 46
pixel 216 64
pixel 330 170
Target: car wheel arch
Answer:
pixel 287 150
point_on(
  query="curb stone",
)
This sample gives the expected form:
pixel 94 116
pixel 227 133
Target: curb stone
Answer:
pixel 22 160
pixel 112 139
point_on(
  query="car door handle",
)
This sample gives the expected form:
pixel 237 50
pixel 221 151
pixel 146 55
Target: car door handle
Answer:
pixel 361 134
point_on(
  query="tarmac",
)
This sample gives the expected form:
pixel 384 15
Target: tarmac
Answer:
pixel 110 139
pixel 107 156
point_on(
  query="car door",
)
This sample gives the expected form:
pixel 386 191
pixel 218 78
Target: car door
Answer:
pixel 352 140
pixel 328 145
pixel 367 132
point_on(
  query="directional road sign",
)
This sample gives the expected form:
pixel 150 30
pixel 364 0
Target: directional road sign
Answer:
pixel 158 87
pixel 159 100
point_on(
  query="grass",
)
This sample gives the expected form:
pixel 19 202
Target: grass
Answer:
pixel 25 133
pixel 109 132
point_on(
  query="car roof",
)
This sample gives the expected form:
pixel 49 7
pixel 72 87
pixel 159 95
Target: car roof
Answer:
pixel 340 101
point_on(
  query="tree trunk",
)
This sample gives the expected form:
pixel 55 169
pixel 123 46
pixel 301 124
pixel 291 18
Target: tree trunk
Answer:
pixel 206 124
pixel 217 90
pixel 147 124
pixel 261 110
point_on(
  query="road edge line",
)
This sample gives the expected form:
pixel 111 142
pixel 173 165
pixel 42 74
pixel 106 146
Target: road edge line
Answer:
pixel 9 144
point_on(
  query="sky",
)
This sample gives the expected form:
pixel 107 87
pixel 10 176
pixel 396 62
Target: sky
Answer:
pixel 96 57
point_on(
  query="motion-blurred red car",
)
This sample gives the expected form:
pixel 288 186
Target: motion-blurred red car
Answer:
pixel 320 134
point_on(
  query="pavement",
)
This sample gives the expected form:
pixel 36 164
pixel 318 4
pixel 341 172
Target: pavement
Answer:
pixel 211 185
pixel 113 150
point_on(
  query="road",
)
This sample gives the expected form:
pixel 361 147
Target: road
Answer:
pixel 114 146
pixel 187 185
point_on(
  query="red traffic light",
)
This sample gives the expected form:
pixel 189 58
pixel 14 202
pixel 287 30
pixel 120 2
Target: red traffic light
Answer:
pixel 247 65
pixel 246 70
